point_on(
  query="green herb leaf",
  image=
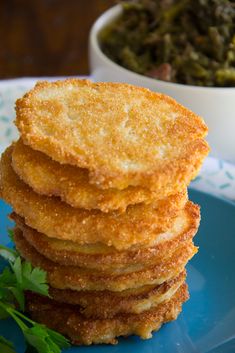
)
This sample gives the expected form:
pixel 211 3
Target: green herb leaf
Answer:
pixel 8 254
pixel 34 279
pixel 14 280
pixel 7 278
pixel 9 284
pixel 3 314
pixel 11 234
pixel 17 269
pixel 19 296
pixel 44 340
pixel 37 335
pixel 6 346
pixel 60 340
pixel 25 277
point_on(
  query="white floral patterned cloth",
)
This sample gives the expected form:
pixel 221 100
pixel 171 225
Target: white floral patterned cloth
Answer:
pixel 217 177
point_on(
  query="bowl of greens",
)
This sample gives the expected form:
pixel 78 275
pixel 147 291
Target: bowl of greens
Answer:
pixel 183 48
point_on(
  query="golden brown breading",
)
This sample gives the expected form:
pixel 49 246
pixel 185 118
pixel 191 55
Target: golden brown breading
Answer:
pixel 71 184
pixel 124 135
pixel 77 278
pixel 105 258
pixel 67 320
pixel 106 304
pixel 56 219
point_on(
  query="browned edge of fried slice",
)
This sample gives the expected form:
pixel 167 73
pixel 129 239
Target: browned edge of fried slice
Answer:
pixel 107 304
pixel 155 140
pixel 49 215
pixel 77 278
pixel 106 258
pixel 48 177
pixel 70 322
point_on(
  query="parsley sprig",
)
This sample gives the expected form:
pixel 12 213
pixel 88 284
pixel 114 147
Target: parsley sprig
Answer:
pixel 16 278
pixel 6 346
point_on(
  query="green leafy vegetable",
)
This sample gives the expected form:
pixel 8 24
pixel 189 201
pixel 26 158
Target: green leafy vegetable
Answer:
pixel 36 335
pixel 18 277
pixel 186 41
pixel 33 279
pixel 6 346
pixel 8 254
pixel 11 234
pixel 21 276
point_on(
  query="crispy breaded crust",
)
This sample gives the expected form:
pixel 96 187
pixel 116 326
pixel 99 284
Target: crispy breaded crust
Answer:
pixel 56 219
pixel 71 184
pixel 105 258
pixel 106 304
pixel 124 135
pixel 77 278
pixel 70 322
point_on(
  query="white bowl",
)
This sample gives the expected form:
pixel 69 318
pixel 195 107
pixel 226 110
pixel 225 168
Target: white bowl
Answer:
pixel 216 105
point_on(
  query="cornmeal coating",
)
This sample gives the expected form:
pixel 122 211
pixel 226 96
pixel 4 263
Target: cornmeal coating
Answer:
pixel 49 215
pixel 108 259
pixel 77 278
pixel 67 320
pixel 71 184
pixel 107 304
pixel 123 134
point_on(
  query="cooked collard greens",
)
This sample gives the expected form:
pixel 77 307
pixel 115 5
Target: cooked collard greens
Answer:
pixel 185 41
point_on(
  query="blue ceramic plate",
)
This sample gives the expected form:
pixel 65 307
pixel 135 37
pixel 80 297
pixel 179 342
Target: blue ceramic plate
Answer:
pixel 207 323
